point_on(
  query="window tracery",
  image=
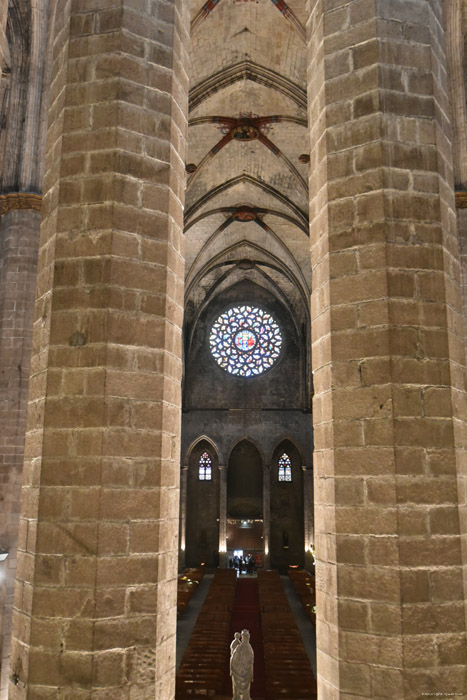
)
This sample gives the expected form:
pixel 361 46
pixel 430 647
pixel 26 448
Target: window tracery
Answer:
pixel 285 468
pixel 245 341
pixel 205 467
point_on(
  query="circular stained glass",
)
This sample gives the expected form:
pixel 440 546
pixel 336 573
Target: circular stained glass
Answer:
pixel 245 341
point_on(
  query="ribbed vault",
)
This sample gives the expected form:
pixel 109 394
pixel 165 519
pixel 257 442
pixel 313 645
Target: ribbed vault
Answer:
pixel 247 176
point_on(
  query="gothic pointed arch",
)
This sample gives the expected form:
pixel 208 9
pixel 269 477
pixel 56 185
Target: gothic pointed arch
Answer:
pixel 202 505
pixel 211 445
pixel 245 481
pixel 287 542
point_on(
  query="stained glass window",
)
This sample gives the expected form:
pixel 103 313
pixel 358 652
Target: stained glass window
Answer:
pixel 205 467
pixel 245 341
pixel 285 468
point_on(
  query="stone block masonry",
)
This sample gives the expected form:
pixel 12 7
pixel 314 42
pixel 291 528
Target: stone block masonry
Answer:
pixel 95 602
pixel 96 577
pixel 388 357
pixel 19 240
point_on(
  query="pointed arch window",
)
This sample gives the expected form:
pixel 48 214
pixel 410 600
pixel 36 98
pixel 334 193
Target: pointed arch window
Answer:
pixel 205 467
pixel 285 468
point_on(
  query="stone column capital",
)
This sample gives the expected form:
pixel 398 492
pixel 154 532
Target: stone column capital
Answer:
pixel 461 199
pixel 19 200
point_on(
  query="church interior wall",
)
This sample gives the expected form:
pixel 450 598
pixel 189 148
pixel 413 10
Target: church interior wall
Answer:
pixel 389 461
pixel 264 428
pixel 245 482
pixel 287 541
pixel 246 416
pixel 202 518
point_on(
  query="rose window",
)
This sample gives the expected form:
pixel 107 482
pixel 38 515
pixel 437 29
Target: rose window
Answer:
pixel 245 341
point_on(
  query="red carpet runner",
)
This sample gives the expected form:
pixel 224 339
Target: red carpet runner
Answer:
pixel 246 615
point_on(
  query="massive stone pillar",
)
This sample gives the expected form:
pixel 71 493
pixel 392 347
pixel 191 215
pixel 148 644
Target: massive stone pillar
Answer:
pixel 22 50
pixel 19 242
pixel 454 31
pixel 95 603
pixel 3 78
pixel 387 352
pixel 3 40
pixel 455 56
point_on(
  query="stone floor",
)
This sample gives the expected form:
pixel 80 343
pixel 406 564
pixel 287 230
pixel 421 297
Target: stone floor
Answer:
pixel 305 628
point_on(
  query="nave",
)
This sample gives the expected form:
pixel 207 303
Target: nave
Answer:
pixel 279 614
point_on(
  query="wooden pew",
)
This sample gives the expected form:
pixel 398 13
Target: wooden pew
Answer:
pixel 205 663
pixel 187 584
pixel 288 671
pixel 304 585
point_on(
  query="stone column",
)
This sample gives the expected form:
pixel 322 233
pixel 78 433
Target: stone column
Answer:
pixel 454 25
pixel 387 353
pixel 3 18
pixel 222 516
pixel 95 604
pixel 182 538
pixel 266 515
pixel 4 77
pixel 19 242
pixel 454 11
pixel 20 90
pixel 308 499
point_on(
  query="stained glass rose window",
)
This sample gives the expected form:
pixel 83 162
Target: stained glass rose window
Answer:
pixel 245 341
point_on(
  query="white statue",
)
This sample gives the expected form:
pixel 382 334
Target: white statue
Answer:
pixel 235 642
pixel 241 665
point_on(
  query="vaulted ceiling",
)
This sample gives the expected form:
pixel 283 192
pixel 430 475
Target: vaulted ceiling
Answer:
pixel 246 209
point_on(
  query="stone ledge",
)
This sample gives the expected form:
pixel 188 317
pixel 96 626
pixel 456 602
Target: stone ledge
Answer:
pixel 461 200
pixel 19 200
